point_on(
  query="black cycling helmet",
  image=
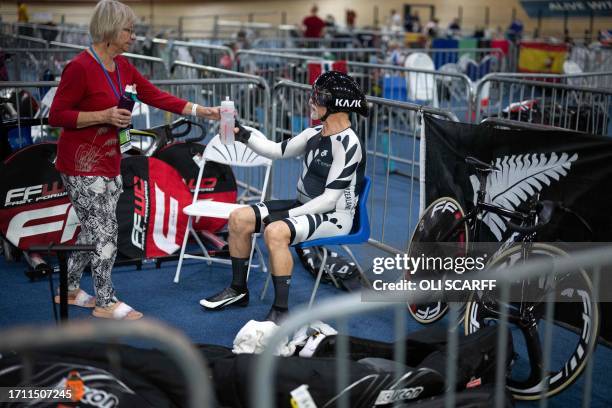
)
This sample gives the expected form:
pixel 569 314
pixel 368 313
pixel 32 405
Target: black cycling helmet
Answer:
pixel 338 92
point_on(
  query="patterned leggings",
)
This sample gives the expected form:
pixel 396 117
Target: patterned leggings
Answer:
pixel 95 201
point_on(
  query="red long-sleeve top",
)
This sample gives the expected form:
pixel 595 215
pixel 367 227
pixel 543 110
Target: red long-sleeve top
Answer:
pixel 94 150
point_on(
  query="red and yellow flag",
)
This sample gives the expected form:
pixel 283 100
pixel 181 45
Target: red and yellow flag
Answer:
pixel 539 57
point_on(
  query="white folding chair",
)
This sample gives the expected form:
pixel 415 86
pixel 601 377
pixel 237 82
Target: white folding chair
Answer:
pixel 421 86
pixel 236 155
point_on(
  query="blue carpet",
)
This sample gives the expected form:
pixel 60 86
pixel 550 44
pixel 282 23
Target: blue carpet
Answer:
pixel 151 291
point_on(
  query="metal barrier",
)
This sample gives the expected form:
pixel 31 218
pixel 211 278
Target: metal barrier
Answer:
pixel 348 54
pixel 591 59
pixel 446 90
pixel 30 64
pixel 391 137
pixel 253 105
pixel 274 66
pixel 294 42
pixel 67 33
pixel 172 342
pixel 204 54
pixel 21 41
pixel 252 100
pixel 340 308
pixel 443 56
pixel 597 79
pixel 151 67
pixel 559 105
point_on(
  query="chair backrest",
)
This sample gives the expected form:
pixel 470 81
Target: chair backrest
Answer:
pixel 237 154
pixel 361 223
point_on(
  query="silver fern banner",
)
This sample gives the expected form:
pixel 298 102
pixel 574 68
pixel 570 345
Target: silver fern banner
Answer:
pixel 574 168
pixel 520 177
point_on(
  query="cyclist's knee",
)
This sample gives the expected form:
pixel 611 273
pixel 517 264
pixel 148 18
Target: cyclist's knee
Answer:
pixel 242 221
pixel 277 234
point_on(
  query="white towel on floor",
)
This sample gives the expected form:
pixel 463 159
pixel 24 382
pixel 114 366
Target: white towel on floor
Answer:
pixel 254 336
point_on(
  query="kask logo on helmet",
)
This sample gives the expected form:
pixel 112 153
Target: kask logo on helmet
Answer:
pixel 346 103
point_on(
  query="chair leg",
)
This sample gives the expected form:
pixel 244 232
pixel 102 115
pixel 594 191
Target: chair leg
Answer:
pixel 201 245
pixel 319 275
pixel 330 274
pixel 251 256
pixel 177 275
pixel 262 262
pixel 359 268
pixel 265 288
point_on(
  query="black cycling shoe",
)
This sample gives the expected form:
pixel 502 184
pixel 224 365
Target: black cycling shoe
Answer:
pixel 277 316
pixel 228 296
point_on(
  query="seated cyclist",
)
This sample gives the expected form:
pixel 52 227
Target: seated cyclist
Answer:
pixel 327 191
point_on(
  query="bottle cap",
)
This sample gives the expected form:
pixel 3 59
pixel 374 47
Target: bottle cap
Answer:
pixel 227 102
pixel 130 89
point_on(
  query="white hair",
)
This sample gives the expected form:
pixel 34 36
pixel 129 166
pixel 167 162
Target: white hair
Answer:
pixel 108 19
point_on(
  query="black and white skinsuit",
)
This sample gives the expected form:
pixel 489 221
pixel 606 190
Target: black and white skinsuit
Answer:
pixel 328 188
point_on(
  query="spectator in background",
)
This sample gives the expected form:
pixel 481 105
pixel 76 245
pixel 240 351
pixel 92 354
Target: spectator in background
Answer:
pixel 394 55
pixel 22 13
pixel 23 17
pixel 515 30
pixel 351 16
pixel 454 28
pixel 416 22
pixel 395 21
pixel 567 38
pixel 330 25
pixel 313 26
pixel 431 28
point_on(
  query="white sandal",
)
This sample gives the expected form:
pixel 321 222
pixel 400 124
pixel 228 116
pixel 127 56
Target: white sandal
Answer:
pixel 82 299
pixel 119 311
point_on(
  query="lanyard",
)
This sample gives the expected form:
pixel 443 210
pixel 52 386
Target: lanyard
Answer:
pixel 108 78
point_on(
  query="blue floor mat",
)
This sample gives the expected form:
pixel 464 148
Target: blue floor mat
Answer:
pixel 152 291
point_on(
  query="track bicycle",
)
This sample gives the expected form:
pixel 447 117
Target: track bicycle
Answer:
pixel 444 221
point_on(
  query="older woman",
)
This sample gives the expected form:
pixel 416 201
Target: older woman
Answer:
pixel 88 155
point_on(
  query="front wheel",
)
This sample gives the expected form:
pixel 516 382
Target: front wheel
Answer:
pixel 440 222
pixel 571 348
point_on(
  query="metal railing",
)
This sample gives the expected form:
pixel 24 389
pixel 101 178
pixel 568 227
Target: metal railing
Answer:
pixel 341 308
pixel 200 53
pixel 31 63
pixel 287 41
pixel 553 104
pixel 446 90
pixel 443 56
pixel 274 66
pixel 151 67
pixel 172 342
pixel 348 54
pixel 44 32
pixel 391 137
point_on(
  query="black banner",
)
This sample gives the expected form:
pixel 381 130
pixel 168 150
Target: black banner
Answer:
pixel 572 168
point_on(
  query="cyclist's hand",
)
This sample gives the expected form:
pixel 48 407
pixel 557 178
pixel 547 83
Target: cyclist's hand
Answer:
pixel 242 135
pixel 120 118
pixel 212 113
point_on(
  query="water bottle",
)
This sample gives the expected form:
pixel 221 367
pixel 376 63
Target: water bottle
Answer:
pixel 127 101
pixel 226 127
pixel 128 98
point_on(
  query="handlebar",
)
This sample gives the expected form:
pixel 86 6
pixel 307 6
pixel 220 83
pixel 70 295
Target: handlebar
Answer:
pixel 545 210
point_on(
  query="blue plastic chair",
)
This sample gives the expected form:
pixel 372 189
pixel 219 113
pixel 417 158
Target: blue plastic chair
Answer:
pixel 360 234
